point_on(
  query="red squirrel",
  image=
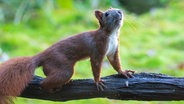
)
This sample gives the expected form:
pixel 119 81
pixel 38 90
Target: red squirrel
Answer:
pixel 59 59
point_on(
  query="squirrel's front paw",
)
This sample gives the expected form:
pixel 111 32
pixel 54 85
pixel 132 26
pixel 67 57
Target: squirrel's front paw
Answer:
pixel 127 73
pixel 100 85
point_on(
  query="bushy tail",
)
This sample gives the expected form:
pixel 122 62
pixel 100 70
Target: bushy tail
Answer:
pixel 15 74
pixel 6 100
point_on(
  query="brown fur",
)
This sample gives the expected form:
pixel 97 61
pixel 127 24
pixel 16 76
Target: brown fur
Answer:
pixel 58 60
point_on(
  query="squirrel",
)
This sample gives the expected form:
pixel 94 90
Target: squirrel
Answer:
pixel 59 59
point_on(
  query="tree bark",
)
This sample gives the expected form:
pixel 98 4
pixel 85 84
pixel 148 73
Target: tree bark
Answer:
pixel 144 86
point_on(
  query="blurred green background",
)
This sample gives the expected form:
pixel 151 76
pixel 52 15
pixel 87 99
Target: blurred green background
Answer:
pixel 151 40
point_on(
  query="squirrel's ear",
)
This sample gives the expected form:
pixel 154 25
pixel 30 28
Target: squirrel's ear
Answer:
pixel 98 14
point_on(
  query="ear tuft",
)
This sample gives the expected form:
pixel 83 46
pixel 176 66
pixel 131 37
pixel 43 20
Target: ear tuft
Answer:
pixel 98 14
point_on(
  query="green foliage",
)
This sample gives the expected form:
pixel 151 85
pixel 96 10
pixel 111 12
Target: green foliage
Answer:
pixel 177 45
pixel 152 42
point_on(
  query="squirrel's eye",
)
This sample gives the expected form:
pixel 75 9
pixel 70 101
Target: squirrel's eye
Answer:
pixel 106 14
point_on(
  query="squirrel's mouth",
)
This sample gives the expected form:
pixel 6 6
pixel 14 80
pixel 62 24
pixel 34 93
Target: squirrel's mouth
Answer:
pixel 119 19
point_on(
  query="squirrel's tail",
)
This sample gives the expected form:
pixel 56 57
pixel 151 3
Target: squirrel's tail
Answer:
pixel 15 74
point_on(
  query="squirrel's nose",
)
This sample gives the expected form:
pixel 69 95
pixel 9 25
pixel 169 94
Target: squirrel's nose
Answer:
pixel 120 14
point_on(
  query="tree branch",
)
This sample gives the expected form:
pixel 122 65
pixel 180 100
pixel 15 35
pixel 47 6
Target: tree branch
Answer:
pixel 145 86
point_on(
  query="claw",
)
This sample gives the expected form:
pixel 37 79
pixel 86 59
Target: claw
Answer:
pixel 100 85
pixel 128 73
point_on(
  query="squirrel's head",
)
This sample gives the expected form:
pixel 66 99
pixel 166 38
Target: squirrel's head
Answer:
pixel 110 19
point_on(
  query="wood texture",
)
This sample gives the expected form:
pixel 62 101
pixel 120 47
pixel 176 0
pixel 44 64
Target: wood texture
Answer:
pixel 145 86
